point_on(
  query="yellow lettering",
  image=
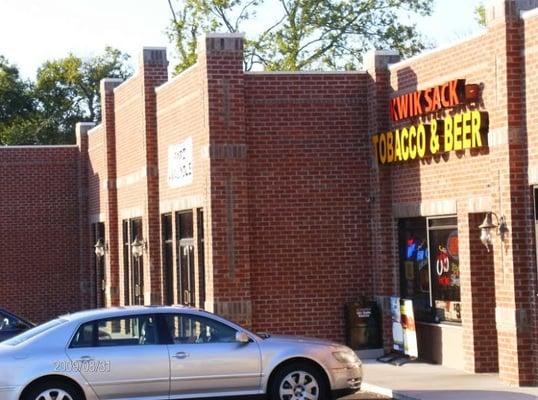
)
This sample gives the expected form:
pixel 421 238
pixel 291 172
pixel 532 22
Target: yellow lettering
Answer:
pixel 449 139
pixel 458 144
pixel 382 149
pixel 397 147
pixel 476 123
pixel 421 141
pixel 403 143
pixel 466 129
pixel 390 147
pixel 412 143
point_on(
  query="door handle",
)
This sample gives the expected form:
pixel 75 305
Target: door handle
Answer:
pixel 181 355
pixel 86 358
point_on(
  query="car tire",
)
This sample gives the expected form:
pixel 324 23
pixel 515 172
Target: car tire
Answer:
pixel 54 389
pixel 293 380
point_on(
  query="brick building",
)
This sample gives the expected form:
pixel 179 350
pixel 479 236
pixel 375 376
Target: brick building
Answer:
pixel 276 198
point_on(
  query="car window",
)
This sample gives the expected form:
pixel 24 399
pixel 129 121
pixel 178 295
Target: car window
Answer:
pixel 84 336
pixel 125 331
pixel 27 335
pixel 7 322
pixel 188 328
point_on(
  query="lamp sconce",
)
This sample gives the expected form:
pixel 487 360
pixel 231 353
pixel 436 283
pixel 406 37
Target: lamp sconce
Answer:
pixel 488 225
pixel 138 247
pixel 100 248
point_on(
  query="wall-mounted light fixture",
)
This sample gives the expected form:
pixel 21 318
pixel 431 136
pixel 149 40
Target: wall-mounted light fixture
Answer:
pixel 488 225
pixel 100 248
pixel 137 247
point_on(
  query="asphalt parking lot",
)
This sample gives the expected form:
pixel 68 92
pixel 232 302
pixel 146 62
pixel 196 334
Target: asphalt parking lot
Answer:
pixel 364 396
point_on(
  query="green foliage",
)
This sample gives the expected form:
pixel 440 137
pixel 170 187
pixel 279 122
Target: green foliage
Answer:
pixel 15 97
pixel 305 34
pixel 66 91
pixel 72 82
pixel 480 14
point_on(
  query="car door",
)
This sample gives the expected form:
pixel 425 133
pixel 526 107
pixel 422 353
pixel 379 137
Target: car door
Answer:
pixel 206 359
pixel 122 358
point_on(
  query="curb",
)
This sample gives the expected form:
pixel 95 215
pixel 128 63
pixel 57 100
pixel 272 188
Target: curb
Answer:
pixel 383 391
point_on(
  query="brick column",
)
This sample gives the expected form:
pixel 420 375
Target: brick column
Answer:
pixel 229 283
pixel 154 69
pixel 515 272
pixel 384 263
pixel 111 221
pixel 87 290
pixel 477 276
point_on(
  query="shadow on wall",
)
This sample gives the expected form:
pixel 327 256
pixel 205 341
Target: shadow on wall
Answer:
pixel 97 265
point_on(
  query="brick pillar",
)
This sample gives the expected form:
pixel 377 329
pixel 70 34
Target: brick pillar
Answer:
pixel 477 275
pixel 515 269
pixel 111 221
pixel 228 282
pixel 87 290
pixel 384 268
pixel 154 69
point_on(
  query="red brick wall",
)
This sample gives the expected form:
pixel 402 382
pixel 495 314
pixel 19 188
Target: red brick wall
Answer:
pixel 229 217
pixel 479 181
pixel 308 176
pixel 530 109
pixel 39 268
pixel 97 173
pixel 131 167
pixel 182 105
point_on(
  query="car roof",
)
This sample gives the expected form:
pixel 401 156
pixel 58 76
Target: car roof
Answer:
pixel 124 310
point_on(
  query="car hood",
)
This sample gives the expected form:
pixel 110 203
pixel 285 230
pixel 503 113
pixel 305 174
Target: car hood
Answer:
pixel 300 339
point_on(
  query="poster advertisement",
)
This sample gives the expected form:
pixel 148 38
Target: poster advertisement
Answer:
pixel 409 329
pixel 180 164
pixel 397 329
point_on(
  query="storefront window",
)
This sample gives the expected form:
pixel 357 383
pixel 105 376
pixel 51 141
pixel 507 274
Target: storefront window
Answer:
pixel 429 267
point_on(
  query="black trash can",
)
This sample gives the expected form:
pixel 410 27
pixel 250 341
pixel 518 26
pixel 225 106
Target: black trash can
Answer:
pixel 362 325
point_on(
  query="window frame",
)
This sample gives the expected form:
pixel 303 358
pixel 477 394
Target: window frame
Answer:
pixel 169 340
pixel 431 224
pixel 95 330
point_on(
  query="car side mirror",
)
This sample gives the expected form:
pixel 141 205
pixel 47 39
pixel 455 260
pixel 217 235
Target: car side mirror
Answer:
pixel 242 337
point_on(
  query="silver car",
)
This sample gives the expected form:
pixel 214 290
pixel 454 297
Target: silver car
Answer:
pixel 149 352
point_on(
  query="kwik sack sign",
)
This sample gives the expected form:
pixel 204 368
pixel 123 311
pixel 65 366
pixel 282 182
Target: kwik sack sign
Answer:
pixel 461 130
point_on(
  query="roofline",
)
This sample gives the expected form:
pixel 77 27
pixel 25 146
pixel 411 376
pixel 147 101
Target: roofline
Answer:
pixel 430 52
pixel 39 146
pixel 359 72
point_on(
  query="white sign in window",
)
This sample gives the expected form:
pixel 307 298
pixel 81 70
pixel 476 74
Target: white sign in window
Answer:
pixel 180 164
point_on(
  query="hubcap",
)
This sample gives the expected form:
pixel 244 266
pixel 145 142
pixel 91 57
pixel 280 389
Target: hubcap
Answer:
pixel 299 385
pixel 54 394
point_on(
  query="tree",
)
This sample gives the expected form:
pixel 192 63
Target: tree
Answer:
pixel 480 14
pixel 66 91
pixel 72 83
pixel 17 107
pixel 305 34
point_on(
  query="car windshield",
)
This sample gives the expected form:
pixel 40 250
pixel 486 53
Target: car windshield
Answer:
pixel 27 335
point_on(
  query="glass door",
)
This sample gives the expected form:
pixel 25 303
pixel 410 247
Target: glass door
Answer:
pixel 99 246
pixel 133 262
pixel 185 258
pixel 429 267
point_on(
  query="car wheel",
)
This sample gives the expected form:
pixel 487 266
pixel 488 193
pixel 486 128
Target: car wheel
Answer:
pixel 298 381
pixel 53 390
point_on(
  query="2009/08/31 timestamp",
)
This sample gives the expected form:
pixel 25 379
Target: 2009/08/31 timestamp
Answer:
pixel 90 366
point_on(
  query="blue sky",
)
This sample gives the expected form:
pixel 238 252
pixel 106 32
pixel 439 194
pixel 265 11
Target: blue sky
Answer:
pixel 32 31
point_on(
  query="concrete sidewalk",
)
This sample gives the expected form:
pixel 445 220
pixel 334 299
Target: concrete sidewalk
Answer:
pixel 421 381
